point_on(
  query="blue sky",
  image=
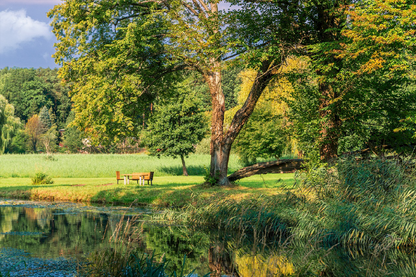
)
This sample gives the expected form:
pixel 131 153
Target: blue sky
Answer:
pixel 26 39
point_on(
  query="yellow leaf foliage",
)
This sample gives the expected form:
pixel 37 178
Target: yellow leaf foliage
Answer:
pixel 259 266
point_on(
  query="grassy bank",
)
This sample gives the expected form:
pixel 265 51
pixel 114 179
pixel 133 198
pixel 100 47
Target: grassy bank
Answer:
pixel 175 191
pixel 352 204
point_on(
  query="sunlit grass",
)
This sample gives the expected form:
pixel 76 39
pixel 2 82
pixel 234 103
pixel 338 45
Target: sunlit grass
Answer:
pixel 102 165
pixel 166 190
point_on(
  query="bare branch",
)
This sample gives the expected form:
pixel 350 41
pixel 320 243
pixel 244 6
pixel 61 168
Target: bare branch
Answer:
pixel 190 9
pixel 204 5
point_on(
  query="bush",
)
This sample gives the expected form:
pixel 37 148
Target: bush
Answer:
pixel 41 178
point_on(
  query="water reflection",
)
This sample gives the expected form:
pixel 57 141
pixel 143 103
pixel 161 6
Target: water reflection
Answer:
pixel 48 233
pixel 51 233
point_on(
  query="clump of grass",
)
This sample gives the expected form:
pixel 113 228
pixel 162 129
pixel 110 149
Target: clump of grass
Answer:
pixel 41 178
pixel 365 203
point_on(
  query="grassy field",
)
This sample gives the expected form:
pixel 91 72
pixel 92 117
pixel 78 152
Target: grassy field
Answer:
pixel 91 178
pixel 102 165
pixel 175 191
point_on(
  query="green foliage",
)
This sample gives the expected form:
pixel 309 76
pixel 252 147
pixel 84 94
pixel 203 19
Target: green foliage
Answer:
pixel 9 124
pixel 203 147
pixel 19 143
pixel 231 85
pixel 72 136
pixel 262 136
pixel 31 89
pixel 41 178
pixel 209 179
pixel 45 118
pixel 176 127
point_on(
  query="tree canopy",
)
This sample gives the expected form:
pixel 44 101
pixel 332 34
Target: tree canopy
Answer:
pixel 119 56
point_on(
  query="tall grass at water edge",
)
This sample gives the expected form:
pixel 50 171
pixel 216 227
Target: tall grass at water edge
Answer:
pixel 102 165
pixel 355 204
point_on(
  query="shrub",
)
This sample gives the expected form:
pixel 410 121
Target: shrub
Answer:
pixel 41 178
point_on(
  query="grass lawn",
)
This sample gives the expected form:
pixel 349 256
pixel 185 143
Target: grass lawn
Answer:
pixel 175 191
pixel 102 165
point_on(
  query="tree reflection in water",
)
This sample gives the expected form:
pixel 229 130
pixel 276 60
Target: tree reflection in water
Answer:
pixel 49 233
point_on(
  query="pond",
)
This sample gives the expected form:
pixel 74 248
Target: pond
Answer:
pixel 51 237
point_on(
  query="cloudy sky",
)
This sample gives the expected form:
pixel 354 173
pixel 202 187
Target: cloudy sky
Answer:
pixel 26 39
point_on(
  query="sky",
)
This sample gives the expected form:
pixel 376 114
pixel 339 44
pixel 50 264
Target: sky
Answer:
pixel 26 39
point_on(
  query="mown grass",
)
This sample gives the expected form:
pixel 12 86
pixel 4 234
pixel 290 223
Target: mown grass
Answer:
pixel 167 191
pixel 102 165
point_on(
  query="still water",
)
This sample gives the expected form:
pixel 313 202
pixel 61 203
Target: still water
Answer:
pixel 47 230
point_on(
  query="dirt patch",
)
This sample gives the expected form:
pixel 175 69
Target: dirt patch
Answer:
pixel 79 185
pixel 103 185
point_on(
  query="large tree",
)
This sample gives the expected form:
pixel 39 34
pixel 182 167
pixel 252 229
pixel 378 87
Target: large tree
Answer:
pixel 114 52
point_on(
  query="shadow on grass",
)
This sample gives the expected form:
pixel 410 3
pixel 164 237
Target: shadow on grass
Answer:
pixel 192 170
pixel 177 170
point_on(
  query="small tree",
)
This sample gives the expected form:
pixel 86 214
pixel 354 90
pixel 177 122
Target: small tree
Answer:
pixel 45 118
pixel 49 139
pixel 175 129
pixel 34 130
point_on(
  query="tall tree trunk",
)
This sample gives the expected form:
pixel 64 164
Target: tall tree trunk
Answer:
pixel 185 172
pixel 219 155
pixel 220 143
pixel 330 129
pixel 329 28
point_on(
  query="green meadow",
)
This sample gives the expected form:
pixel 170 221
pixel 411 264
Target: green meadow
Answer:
pixel 91 178
pixel 102 165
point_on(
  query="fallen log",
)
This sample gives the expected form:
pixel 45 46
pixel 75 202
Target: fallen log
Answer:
pixel 280 166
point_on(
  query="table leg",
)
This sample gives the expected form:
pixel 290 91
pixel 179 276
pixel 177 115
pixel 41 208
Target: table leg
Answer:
pixel 125 179
pixel 128 180
pixel 143 181
pixel 140 180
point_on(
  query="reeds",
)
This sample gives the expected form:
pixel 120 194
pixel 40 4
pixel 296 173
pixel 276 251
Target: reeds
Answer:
pixel 353 204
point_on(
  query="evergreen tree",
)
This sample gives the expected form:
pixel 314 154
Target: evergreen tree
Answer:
pixel 45 118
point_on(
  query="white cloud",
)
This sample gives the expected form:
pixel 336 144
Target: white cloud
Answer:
pixel 16 28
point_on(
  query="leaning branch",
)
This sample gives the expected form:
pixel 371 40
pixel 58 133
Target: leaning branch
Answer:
pixel 280 166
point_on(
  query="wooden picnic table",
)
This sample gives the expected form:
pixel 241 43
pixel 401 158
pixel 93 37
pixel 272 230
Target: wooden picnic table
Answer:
pixel 127 178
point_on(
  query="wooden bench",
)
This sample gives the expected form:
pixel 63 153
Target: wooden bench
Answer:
pixel 118 177
pixel 145 176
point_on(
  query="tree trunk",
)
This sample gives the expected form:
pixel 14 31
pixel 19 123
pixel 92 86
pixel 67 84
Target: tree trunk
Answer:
pixel 220 143
pixel 280 166
pixel 330 129
pixel 185 172
pixel 219 157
